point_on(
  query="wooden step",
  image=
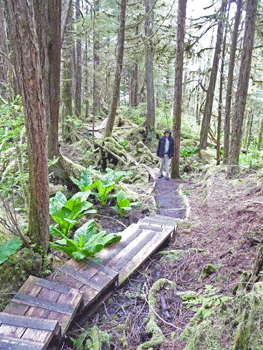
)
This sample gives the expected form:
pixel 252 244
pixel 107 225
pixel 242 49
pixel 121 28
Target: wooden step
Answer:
pixel 27 333
pixel 89 277
pixel 159 220
pixel 139 243
pixel 44 299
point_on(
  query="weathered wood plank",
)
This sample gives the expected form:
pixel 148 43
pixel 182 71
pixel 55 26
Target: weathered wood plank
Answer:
pixel 11 331
pixel 49 305
pixel 28 322
pixel 81 277
pixel 12 344
pixel 35 334
pixel 53 286
pixel 101 267
pixel 132 249
pixel 16 309
pixel 143 254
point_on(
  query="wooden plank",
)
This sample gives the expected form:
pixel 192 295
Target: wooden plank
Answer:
pixel 160 223
pixel 35 334
pixel 102 268
pixel 143 254
pixel 11 331
pixel 27 322
pixel 16 309
pixel 49 305
pixel 12 344
pixel 81 277
pixel 107 254
pixel 132 249
pixel 54 286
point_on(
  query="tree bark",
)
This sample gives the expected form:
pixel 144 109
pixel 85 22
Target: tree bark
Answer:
pixel 149 55
pixel 118 70
pixel 260 136
pixel 96 63
pixel 212 82
pixel 78 68
pixel 177 107
pixel 220 102
pixel 23 28
pixel 3 60
pixel 242 86
pixel 230 81
pixel 67 78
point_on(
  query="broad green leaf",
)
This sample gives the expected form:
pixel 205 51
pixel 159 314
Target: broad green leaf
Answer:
pixel 78 255
pixel 86 180
pixel 9 248
pixel 65 249
pixel 111 238
pixel 57 202
pixel 121 195
pixel 85 230
pixel 82 195
pixel 93 249
pixel 119 174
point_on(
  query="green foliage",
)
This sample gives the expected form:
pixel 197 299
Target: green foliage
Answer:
pixel 104 186
pixel 85 183
pixel 188 151
pixel 123 142
pixel 9 248
pixel 124 204
pixel 208 301
pixel 107 183
pixel 66 213
pixel 86 242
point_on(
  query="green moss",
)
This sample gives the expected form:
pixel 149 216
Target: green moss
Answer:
pixel 97 338
pixel 235 324
pixel 208 269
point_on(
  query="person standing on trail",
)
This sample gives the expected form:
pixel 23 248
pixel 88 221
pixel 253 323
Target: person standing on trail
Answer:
pixel 165 152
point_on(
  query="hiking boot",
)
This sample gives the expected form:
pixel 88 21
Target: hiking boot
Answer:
pixel 167 178
pixel 160 175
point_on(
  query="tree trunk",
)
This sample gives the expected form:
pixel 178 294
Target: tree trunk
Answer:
pixel 3 60
pixel 149 54
pixel 28 69
pixel 78 69
pixel 247 138
pixel 211 88
pixel 220 102
pixel 230 81
pixel 177 107
pixel 96 63
pixel 66 93
pixel 242 85
pixel 118 70
pixel 260 135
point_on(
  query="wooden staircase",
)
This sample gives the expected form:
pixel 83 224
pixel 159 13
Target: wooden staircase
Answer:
pixel 42 311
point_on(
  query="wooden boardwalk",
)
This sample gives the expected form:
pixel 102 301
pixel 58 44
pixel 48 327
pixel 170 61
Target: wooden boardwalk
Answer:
pixel 43 310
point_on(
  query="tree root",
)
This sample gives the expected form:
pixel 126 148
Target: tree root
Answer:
pixel 152 326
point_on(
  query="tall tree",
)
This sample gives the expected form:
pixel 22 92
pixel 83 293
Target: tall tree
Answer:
pixel 24 38
pixel 230 81
pixel 78 69
pixel 242 85
pixel 118 70
pixel 4 61
pixel 177 107
pixel 149 55
pixel 96 62
pixel 212 82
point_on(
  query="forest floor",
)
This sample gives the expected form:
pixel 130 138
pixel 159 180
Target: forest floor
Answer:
pixel 223 229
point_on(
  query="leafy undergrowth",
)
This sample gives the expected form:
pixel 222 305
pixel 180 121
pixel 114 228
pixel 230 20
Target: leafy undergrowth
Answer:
pixel 196 308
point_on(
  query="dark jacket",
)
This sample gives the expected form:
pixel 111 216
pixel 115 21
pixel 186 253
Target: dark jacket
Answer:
pixel 161 147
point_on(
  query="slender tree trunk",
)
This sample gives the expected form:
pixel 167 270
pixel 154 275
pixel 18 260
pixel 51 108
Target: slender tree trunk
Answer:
pixel 23 28
pixel 4 62
pixel 78 68
pixel 247 138
pixel 220 102
pixel 177 107
pixel 242 85
pixel 118 70
pixel 260 136
pixel 67 78
pixel 150 117
pixel 230 81
pixel 211 88
pixel 96 62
